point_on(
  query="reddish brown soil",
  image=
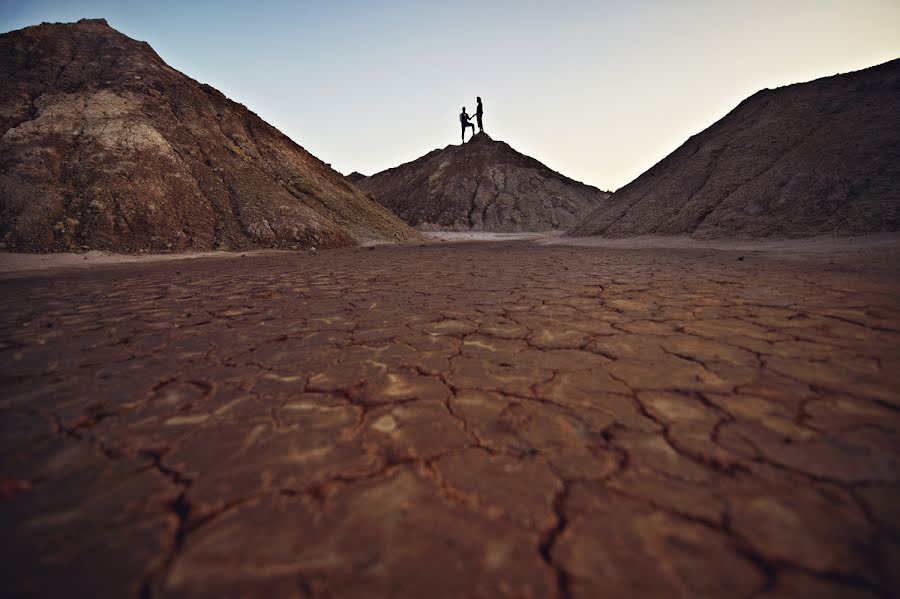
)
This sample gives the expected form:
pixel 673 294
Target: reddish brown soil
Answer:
pixel 472 419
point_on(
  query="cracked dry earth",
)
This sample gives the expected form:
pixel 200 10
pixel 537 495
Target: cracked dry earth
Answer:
pixel 460 420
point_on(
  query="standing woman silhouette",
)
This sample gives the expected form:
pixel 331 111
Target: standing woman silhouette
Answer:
pixel 478 112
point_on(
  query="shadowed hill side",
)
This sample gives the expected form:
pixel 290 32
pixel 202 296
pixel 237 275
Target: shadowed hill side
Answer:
pixel 814 158
pixel 102 144
pixel 482 185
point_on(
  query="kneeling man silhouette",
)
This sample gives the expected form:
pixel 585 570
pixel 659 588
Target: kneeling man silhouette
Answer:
pixel 464 119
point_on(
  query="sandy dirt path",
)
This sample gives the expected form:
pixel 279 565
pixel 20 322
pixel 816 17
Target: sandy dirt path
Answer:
pixel 454 419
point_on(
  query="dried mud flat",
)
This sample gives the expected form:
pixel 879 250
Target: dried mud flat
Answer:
pixel 469 419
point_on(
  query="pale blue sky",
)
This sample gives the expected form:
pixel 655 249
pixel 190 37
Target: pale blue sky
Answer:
pixel 597 90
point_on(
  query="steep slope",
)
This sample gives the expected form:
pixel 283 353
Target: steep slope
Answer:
pixel 104 145
pixel 814 158
pixel 482 185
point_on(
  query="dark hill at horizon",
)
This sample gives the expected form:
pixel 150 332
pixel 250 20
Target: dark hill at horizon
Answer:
pixel 482 185
pixel 103 145
pixel 813 158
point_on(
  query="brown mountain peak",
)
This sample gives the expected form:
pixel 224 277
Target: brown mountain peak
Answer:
pixel 99 22
pixel 106 146
pixel 482 185
pixel 807 159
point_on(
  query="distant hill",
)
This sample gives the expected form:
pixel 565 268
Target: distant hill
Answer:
pixel 814 158
pixel 482 185
pixel 104 145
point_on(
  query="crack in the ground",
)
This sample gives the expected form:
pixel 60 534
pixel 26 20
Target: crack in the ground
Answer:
pixel 136 363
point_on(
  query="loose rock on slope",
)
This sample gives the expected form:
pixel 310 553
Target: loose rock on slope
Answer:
pixel 103 144
pixel 814 158
pixel 482 185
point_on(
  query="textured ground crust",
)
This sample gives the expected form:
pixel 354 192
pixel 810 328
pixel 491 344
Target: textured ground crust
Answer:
pixel 471 419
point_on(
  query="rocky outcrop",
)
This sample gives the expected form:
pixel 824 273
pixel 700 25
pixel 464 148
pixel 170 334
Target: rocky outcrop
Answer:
pixel 482 185
pixel 104 145
pixel 815 158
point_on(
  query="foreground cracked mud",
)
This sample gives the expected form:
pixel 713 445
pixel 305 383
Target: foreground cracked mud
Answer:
pixel 469 420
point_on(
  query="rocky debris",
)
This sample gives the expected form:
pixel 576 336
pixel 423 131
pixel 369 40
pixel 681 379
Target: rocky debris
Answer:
pixel 355 176
pixel 428 421
pixel 821 157
pixel 103 144
pixel 482 185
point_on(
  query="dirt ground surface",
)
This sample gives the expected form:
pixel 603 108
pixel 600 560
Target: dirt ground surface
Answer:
pixel 14 262
pixel 455 419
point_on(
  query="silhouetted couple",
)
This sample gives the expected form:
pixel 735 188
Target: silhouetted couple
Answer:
pixel 464 119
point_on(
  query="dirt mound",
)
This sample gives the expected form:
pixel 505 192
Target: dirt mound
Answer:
pixel 355 176
pixel 482 185
pixel 104 145
pixel 814 158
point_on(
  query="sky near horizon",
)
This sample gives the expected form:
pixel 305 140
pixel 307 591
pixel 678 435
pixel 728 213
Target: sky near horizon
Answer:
pixel 599 91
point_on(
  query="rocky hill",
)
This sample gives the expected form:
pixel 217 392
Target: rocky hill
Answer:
pixel 482 185
pixel 814 158
pixel 103 145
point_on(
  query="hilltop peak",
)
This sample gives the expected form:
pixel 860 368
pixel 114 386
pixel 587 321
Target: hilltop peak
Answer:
pixel 806 159
pixel 482 185
pixel 117 150
pixel 481 137
pixel 99 21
